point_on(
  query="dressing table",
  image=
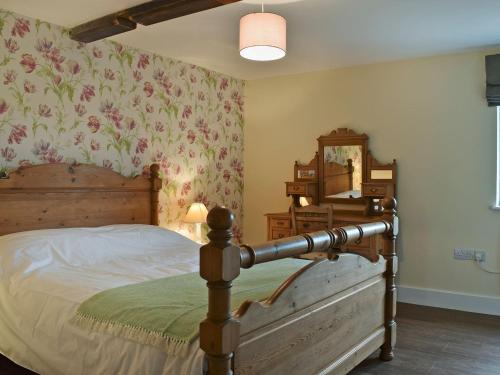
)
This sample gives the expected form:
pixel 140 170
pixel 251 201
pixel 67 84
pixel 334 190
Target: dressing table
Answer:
pixel 344 175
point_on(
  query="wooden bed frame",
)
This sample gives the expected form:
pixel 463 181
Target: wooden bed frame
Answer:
pixel 324 319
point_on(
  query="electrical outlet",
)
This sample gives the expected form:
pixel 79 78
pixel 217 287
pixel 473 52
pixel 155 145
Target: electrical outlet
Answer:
pixel 463 254
pixel 469 254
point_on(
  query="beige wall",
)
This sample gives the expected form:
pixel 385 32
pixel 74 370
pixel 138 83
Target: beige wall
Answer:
pixel 430 115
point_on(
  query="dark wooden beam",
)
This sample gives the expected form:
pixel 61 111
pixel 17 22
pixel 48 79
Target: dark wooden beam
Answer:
pixel 145 14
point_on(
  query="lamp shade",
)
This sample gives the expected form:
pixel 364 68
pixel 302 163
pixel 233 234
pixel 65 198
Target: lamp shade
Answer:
pixel 262 36
pixel 197 213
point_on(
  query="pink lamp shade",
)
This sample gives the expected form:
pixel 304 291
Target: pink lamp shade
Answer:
pixel 262 37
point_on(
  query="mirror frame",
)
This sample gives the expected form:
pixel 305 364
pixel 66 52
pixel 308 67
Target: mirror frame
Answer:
pixel 341 137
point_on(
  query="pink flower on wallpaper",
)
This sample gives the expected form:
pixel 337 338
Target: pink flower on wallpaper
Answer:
pixel 20 28
pixel 94 124
pixel 29 88
pixel 142 145
pixel 227 106
pixel 80 110
pixel 56 59
pixel 218 187
pixel 109 74
pixel 202 197
pixel 130 122
pixel 191 154
pixel 220 96
pixel 222 153
pixel 237 166
pixel 17 134
pixel 235 138
pixel 9 77
pixel 112 113
pixel 97 52
pixel 224 83
pixel 191 136
pixel 219 166
pixel 219 116
pixel 177 169
pixel 227 191
pixel 186 188
pixel 200 170
pixel 159 127
pixel 149 108
pixel 148 89
pixel 44 110
pixel 46 153
pixel 136 161
pixel 11 45
pixel 182 125
pixel 201 96
pixel 181 203
pixel 95 145
pixel 228 123
pixel 8 153
pixel 238 100
pixel 234 205
pixel 44 46
pixel 186 113
pixel 143 61
pixel 182 71
pixel 192 78
pixel 215 135
pixel 88 92
pixel 107 164
pixel 227 175
pixel 73 67
pixel 119 48
pixel 181 149
pixel 137 75
pixel 202 126
pixel 4 107
pixel 28 63
pixel 79 138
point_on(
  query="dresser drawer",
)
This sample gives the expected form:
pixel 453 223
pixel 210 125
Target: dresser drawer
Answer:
pixel 310 226
pixel 296 188
pixel 374 190
pixel 277 233
pixel 280 223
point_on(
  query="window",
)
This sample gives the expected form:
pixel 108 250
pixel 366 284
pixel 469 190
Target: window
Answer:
pixel 496 205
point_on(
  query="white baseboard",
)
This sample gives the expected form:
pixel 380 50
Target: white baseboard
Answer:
pixel 449 300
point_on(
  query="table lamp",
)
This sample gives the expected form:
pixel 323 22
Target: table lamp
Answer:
pixel 196 215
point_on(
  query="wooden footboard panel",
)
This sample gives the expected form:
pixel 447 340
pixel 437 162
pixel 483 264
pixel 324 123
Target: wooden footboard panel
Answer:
pixel 329 336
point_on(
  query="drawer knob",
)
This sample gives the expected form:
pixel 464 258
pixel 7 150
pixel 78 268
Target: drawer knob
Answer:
pixel 373 190
pixel 281 235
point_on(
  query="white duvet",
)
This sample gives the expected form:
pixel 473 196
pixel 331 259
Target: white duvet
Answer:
pixel 46 274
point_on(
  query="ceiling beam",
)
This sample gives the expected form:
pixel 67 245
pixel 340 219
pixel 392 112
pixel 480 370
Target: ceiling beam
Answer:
pixel 145 14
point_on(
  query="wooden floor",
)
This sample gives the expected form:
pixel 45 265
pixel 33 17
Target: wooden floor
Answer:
pixel 441 342
pixel 430 341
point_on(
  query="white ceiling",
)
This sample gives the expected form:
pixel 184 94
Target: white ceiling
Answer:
pixel 322 34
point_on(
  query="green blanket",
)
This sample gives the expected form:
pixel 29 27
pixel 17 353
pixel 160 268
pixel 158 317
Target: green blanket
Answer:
pixel 166 313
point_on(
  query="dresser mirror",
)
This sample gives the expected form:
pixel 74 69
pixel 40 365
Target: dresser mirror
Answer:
pixel 342 169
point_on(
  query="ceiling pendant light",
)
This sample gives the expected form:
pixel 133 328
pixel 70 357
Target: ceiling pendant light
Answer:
pixel 262 36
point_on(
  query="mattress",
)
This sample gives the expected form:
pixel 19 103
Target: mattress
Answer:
pixel 46 274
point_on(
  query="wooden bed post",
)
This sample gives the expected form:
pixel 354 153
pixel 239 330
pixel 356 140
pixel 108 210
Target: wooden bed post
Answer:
pixel 156 183
pixel 219 265
pixel 389 253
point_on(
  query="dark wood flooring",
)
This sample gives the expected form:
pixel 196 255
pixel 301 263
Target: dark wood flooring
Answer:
pixel 430 341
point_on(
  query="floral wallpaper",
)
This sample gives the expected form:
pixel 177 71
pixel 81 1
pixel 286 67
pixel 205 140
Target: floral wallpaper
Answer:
pixel 340 154
pixel 115 106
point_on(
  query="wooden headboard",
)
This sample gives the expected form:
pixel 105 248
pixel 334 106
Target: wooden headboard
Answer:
pixel 63 196
pixel 337 177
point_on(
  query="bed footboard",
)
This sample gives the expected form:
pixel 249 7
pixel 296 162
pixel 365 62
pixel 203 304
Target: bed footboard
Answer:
pixel 324 319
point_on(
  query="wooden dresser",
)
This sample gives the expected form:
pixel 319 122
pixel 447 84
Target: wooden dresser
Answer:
pixel 343 174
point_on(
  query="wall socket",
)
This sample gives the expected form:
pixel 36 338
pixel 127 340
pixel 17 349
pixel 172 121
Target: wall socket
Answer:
pixel 469 254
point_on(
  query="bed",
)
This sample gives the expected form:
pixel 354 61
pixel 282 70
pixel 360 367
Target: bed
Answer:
pixel 338 180
pixel 325 318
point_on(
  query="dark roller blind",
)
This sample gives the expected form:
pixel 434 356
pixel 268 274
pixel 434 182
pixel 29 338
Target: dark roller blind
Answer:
pixel 493 80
